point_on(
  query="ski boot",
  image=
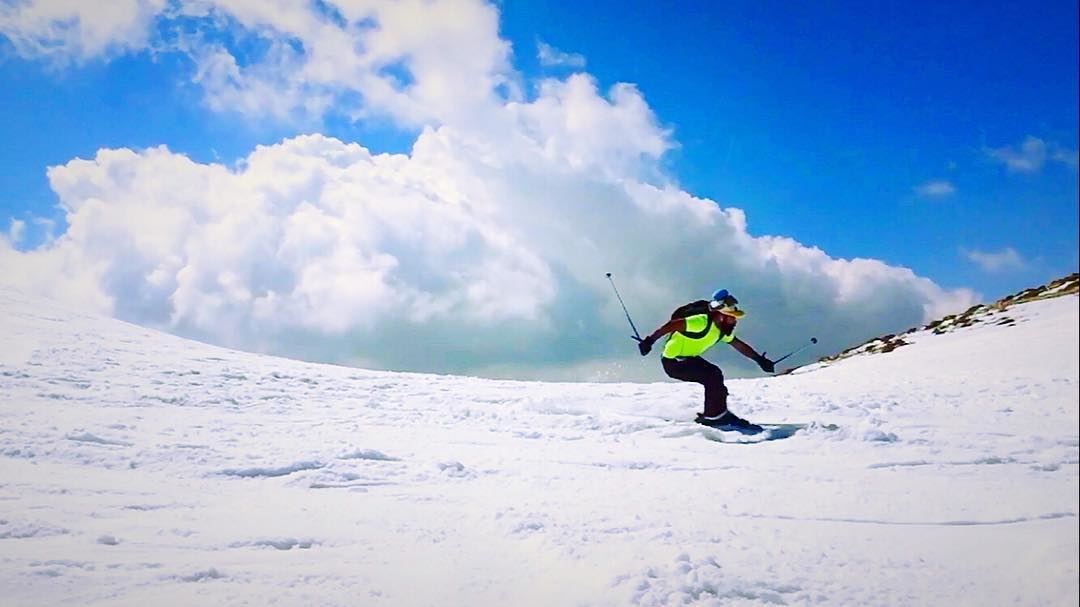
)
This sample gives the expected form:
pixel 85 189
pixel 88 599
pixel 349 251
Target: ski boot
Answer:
pixel 728 421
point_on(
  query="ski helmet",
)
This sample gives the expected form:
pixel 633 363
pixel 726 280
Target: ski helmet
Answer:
pixel 725 303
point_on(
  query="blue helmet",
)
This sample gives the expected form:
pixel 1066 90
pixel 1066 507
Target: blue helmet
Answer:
pixel 722 296
pixel 726 303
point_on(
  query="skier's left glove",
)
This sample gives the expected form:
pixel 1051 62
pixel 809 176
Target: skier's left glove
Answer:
pixel 766 365
pixel 645 346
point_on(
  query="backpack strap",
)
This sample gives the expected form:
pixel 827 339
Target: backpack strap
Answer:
pixel 701 333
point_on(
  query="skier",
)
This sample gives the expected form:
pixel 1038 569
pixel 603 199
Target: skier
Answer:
pixel 694 328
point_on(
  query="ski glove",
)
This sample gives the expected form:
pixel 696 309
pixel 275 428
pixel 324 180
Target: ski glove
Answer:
pixel 766 365
pixel 645 346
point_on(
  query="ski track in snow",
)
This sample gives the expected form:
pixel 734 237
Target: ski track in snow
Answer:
pixel 138 467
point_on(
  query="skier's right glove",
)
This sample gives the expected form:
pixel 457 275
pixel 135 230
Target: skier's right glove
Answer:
pixel 766 365
pixel 645 346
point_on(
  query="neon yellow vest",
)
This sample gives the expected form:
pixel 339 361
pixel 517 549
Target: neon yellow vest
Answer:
pixel 680 345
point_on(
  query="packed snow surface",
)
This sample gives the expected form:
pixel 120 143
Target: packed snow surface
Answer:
pixel 137 468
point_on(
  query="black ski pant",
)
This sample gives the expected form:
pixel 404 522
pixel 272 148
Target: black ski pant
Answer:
pixel 701 371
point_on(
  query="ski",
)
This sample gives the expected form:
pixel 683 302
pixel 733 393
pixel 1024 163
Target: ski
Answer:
pixel 767 432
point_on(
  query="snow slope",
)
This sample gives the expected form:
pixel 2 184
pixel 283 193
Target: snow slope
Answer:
pixel 139 468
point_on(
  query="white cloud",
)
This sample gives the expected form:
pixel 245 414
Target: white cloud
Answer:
pixel 571 122
pixel 64 31
pixel 1066 156
pixel 483 248
pixel 1005 259
pixel 550 56
pixel 1028 157
pixel 416 61
pixel 939 188
pixel 1032 154
pixel 16 229
pixel 451 258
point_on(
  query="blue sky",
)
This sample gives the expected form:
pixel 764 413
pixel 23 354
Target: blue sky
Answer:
pixel 938 137
pixel 822 118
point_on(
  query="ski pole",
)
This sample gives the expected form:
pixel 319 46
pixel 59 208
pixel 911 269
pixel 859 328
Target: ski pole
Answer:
pixel 612 281
pixel 813 340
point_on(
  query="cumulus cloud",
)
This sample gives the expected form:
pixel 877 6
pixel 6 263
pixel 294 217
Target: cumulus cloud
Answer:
pixel 414 61
pixel 16 229
pixel 444 259
pixel 938 188
pixel 550 56
pixel 74 31
pixel 1028 157
pixel 482 250
pixel 1031 154
pixel 996 261
pixel 1066 156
